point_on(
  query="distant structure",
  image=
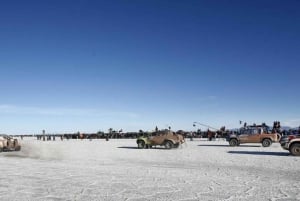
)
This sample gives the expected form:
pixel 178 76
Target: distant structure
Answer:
pixel 43 131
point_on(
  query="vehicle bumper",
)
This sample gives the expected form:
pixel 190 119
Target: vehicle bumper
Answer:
pixel 285 145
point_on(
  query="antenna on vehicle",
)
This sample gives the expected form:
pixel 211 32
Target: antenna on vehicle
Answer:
pixel 194 124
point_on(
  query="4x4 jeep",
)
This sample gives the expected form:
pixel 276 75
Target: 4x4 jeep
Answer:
pixel 164 138
pixel 253 134
pixel 8 143
pixel 291 143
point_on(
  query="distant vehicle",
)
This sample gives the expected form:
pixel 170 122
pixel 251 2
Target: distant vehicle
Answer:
pixel 253 134
pixel 7 143
pixel 291 143
pixel 165 138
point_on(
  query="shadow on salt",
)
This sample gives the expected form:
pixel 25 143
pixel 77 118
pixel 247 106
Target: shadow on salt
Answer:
pixel 261 153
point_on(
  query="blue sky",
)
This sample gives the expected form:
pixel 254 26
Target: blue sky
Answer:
pixel 69 66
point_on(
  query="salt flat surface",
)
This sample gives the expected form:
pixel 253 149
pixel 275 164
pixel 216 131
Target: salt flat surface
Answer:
pixel 116 170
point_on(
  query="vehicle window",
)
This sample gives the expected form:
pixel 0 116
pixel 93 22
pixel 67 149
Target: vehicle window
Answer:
pixel 243 131
pixel 250 131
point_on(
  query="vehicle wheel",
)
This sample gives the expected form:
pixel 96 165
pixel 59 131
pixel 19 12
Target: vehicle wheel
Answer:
pixel 141 144
pixel 266 143
pixel 233 142
pixel 176 145
pixel 168 145
pixel 295 149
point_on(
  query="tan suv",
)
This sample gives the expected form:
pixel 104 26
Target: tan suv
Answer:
pixel 253 134
pixel 165 138
pixel 8 143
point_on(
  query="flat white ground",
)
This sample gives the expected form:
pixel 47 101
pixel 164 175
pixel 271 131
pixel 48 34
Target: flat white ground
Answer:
pixel 116 170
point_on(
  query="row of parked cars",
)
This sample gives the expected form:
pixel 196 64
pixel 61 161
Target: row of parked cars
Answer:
pixel 169 139
pixel 249 134
pixel 260 134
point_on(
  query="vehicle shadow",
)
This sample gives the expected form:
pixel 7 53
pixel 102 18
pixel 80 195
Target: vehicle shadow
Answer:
pixel 222 145
pixel 128 147
pixel 125 147
pixel 261 153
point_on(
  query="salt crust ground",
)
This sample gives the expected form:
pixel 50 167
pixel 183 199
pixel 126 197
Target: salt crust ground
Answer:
pixel 116 170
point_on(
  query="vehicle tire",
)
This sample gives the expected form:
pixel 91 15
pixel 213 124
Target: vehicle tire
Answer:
pixel 176 145
pixel 266 143
pixel 141 144
pixel 233 142
pixel 295 149
pixel 168 145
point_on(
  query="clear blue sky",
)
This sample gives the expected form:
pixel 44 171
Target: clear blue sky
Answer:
pixel 69 66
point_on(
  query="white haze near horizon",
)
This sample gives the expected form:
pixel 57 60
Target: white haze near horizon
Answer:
pixel 47 117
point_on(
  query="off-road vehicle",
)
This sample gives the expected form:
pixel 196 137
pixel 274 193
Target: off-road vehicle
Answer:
pixel 7 143
pixel 165 138
pixel 291 143
pixel 253 134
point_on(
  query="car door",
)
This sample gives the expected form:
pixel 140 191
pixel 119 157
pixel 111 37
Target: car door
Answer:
pixel 244 135
pixel 250 135
pixel 157 140
pixel 254 136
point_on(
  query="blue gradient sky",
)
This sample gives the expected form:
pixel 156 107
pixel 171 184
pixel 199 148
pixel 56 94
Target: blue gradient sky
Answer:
pixel 69 66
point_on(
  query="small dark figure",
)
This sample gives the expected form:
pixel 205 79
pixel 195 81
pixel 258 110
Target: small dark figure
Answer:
pixel 209 135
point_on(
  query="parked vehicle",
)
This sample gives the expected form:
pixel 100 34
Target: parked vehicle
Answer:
pixel 253 134
pixel 165 138
pixel 291 143
pixel 7 143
